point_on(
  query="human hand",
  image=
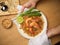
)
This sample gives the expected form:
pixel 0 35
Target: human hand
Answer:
pixel 29 4
pixel 54 31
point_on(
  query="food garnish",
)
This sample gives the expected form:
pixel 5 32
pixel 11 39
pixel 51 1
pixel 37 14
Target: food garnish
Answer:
pixel 20 19
pixel 30 21
pixel 29 13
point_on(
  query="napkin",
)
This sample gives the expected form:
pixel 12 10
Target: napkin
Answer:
pixel 40 40
pixel 20 8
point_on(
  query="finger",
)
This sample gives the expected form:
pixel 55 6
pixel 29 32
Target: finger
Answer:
pixel 27 5
pixel 22 9
pixel 33 6
pixel 49 33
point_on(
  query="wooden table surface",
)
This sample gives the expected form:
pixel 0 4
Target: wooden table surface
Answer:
pixel 11 4
pixel 51 9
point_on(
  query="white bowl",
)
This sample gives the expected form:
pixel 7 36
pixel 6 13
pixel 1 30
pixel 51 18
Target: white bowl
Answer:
pixel 25 34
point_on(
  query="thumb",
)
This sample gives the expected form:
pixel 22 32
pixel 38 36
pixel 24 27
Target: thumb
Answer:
pixel 27 5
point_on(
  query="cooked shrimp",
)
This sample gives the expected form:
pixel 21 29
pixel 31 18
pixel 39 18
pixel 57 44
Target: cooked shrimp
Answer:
pixel 34 24
pixel 36 19
pixel 27 21
pixel 31 31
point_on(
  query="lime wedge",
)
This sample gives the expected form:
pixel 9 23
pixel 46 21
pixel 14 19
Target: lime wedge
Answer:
pixel 20 19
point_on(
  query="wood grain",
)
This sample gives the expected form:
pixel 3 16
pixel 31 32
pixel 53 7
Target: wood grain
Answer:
pixel 51 9
pixel 11 7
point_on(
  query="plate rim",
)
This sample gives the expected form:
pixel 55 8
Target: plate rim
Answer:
pixel 29 37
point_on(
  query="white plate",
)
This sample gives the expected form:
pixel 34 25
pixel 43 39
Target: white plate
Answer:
pixel 25 34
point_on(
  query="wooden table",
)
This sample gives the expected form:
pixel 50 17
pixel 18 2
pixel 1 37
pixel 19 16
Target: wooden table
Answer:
pixel 51 8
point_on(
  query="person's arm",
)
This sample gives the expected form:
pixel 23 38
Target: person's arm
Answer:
pixel 54 31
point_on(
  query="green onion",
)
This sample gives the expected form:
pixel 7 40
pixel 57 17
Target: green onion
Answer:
pixel 29 12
